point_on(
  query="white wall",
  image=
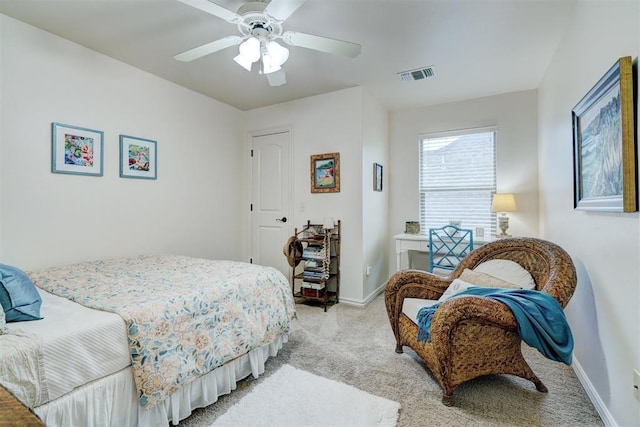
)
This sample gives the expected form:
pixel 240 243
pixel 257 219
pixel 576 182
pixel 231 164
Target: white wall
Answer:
pixel 48 219
pixel 375 205
pixel 515 115
pixel 603 312
pixel 357 126
pixel 325 124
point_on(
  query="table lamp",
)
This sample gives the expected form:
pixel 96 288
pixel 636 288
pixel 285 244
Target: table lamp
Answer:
pixel 503 203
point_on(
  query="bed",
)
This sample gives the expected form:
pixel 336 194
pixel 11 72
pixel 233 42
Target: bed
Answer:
pixel 143 341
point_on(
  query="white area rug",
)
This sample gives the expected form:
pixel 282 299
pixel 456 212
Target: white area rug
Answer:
pixel 292 397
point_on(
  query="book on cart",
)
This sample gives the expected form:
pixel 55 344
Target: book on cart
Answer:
pixel 312 293
pixel 312 290
pixel 313 264
pixel 312 285
pixel 315 252
pixel 313 274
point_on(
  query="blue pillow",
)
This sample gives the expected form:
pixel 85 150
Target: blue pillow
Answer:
pixel 18 295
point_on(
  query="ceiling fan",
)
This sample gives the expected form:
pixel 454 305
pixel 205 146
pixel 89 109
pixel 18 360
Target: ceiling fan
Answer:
pixel 260 25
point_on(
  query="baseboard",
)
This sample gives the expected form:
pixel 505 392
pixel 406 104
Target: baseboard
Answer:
pixel 373 295
pixel 602 409
pixel 349 301
pixel 366 301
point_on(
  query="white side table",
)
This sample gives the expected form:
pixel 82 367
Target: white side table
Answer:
pixel 418 242
pixel 409 242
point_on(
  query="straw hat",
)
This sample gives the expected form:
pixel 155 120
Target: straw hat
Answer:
pixel 293 251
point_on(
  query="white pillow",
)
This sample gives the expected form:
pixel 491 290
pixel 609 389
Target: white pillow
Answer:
pixel 485 280
pixel 474 278
pixel 457 286
pixel 509 271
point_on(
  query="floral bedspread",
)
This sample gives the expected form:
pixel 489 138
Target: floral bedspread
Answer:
pixel 185 316
pixel 22 370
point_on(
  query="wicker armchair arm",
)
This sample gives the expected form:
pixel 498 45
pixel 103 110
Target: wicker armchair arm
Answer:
pixel 411 284
pixel 454 312
pixel 417 284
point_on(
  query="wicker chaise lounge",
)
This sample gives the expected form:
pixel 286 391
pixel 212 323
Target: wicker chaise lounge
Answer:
pixel 475 336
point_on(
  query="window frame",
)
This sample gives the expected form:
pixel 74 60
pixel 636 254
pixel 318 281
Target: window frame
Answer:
pixel 424 226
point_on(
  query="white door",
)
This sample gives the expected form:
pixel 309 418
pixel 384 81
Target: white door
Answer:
pixel 270 199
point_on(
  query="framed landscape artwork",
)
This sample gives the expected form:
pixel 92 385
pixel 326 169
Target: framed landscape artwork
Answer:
pixel 76 150
pixel 603 144
pixel 325 173
pixel 138 158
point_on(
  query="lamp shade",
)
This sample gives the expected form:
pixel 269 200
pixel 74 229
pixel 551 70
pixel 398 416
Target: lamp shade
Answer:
pixel 279 54
pixel 249 52
pixel 503 202
pixel 244 62
pixel 273 57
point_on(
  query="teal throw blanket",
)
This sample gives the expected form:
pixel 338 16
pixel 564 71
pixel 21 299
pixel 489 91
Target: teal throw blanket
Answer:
pixel 541 320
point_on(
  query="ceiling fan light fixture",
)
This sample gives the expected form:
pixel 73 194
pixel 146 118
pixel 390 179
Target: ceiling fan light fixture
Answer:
pixel 278 53
pixel 244 63
pixel 260 24
pixel 249 52
pixel 273 56
pixel 269 65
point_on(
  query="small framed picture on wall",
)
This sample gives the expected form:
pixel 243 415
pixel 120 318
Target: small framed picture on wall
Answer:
pixel 377 177
pixel 325 173
pixel 138 158
pixel 76 150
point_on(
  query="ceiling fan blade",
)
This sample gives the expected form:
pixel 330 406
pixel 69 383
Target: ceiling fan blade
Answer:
pixel 277 78
pixel 323 44
pixel 214 9
pixel 206 49
pixel 282 9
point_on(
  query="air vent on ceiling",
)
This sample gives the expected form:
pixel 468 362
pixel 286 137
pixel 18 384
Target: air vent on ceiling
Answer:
pixel 417 74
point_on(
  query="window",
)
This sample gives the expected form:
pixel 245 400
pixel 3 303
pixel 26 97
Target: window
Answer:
pixel 458 179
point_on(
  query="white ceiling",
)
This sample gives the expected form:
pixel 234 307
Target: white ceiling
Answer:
pixel 477 47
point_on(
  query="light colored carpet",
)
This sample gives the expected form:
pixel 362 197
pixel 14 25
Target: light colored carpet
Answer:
pixel 295 398
pixel 355 346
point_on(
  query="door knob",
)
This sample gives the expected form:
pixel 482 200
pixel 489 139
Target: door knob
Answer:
pixel 283 219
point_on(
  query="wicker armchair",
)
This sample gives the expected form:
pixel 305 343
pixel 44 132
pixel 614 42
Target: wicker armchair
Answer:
pixel 473 336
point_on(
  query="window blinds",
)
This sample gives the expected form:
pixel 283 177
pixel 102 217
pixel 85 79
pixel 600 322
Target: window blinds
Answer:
pixel 458 180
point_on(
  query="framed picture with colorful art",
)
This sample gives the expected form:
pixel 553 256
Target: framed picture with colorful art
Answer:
pixel 138 158
pixel 325 173
pixel 604 156
pixel 76 150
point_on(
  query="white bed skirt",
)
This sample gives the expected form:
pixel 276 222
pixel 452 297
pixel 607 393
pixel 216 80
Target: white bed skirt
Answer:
pixel 113 401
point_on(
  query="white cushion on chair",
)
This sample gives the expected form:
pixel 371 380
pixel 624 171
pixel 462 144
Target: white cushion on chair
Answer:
pixel 509 271
pixel 411 307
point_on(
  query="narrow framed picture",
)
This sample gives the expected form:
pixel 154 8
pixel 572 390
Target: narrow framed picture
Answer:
pixel 76 150
pixel 325 173
pixel 604 157
pixel 138 158
pixel 377 177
